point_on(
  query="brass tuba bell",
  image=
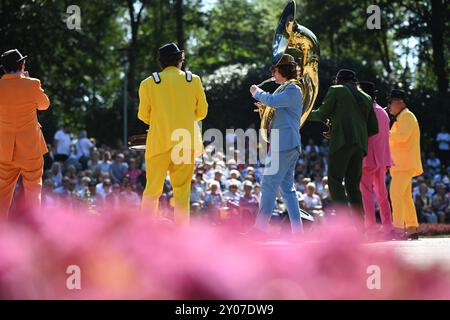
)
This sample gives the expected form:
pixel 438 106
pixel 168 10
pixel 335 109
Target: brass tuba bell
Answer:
pixel 301 43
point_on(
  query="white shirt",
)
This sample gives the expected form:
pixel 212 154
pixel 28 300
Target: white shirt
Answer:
pixel 312 202
pixel 444 140
pixel 64 142
pixel 434 163
pixel 84 146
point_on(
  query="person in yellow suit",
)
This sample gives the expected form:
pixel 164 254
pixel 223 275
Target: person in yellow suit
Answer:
pixel 22 144
pixel 404 141
pixel 171 103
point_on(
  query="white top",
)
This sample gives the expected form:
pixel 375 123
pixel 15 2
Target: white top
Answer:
pixel 312 202
pixel 84 146
pixel 444 140
pixel 64 142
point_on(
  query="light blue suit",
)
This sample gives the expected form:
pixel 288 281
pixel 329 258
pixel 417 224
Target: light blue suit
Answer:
pixel 288 106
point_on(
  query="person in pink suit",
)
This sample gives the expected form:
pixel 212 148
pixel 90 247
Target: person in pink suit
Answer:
pixel 375 166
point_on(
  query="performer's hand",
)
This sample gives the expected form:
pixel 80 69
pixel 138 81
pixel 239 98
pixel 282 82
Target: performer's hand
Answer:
pixel 258 105
pixel 253 89
pixel 25 74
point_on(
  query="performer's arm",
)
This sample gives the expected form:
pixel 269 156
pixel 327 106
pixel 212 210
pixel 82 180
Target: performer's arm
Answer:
pixel 145 106
pixel 403 130
pixel 42 101
pixel 327 107
pixel 278 100
pixel 372 123
pixel 202 105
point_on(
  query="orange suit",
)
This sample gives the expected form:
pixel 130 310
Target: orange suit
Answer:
pixel 21 141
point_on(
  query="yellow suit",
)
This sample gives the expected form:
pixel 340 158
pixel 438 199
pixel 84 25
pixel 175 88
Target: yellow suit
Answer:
pixel 171 108
pixel 404 141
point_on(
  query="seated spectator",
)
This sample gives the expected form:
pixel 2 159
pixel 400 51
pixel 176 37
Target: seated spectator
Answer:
pixel 213 199
pixel 312 202
pixel 218 176
pixel 64 189
pixel 84 187
pixel 325 192
pixel 441 205
pixel 114 199
pixel 200 182
pixel 433 162
pixel 133 172
pixel 49 199
pixel 105 162
pixel 117 169
pixel 232 196
pixel 424 206
pixel 92 198
pixel 130 197
pixel 197 194
pixel 56 174
pixel 257 191
pixel 104 188
pixel 71 172
pixel 324 147
pixel 311 147
pixel 248 205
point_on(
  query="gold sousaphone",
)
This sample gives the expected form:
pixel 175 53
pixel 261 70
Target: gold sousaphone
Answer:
pixel 300 42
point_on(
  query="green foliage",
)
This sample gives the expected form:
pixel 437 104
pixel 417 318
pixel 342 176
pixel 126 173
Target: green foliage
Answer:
pixel 229 45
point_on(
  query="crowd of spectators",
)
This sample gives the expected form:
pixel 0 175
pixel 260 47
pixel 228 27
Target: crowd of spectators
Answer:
pixel 79 171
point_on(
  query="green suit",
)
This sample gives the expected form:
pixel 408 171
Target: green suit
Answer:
pixel 353 120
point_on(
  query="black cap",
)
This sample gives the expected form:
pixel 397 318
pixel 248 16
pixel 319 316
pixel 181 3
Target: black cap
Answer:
pixel 168 50
pixel 369 88
pixel 11 57
pixel 346 75
pixel 398 94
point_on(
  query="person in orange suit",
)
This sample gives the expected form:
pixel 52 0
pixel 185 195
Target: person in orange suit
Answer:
pixel 22 144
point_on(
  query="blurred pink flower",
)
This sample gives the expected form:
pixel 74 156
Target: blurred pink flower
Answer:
pixel 126 255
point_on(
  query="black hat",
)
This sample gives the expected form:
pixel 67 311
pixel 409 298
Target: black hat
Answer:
pixel 11 58
pixel 168 50
pixel 346 75
pixel 399 94
pixel 369 88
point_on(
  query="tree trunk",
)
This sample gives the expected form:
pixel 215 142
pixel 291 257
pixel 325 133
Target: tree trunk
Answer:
pixel 437 27
pixel 179 13
pixel 135 22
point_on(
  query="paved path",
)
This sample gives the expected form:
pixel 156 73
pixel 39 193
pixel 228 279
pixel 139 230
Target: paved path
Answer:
pixel 422 253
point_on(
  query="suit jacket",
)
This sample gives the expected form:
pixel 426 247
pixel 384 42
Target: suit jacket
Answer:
pixel 378 152
pixel 288 110
pixel 352 123
pixel 404 141
pixel 20 132
pixel 173 104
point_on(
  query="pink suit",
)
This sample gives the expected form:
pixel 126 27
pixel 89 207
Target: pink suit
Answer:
pixel 375 165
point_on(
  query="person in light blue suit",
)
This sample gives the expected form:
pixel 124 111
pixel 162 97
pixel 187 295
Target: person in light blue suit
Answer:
pixel 285 146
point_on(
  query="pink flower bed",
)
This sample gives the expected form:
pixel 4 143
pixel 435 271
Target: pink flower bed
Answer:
pixel 128 256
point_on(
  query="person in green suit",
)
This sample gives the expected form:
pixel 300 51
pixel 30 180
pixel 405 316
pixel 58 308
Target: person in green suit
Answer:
pixel 353 120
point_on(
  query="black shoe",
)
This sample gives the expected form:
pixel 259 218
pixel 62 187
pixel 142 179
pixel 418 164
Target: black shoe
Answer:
pixel 413 236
